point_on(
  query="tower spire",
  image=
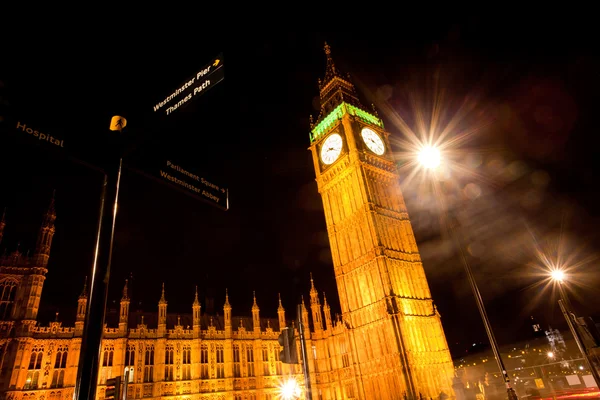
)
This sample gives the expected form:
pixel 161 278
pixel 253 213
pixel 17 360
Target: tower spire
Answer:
pixel 162 300
pixel 335 89
pixel 196 301
pixel 44 240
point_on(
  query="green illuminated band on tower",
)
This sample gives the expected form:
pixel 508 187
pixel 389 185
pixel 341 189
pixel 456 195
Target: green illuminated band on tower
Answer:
pixel 337 113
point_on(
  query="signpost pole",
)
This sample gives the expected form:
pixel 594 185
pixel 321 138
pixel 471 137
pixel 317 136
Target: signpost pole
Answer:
pixel 90 352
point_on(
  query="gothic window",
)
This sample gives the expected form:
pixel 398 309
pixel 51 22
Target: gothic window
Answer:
pixel 130 363
pixel 7 298
pixel 204 361
pixel 350 391
pixel 107 356
pixel 345 355
pixel 277 362
pixel 60 363
pixel 35 366
pixel 149 364
pixel 250 360
pixel 169 363
pixel 236 361
pixel 265 357
pixel 220 362
pixel 187 363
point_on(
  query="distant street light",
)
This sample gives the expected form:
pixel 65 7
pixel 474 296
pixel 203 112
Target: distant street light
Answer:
pixel 558 276
pixel 429 157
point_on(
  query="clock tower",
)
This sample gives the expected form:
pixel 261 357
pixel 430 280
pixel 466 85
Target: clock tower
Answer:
pixel 396 331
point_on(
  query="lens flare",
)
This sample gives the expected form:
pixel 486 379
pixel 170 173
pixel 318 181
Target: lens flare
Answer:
pixel 429 157
pixel 289 390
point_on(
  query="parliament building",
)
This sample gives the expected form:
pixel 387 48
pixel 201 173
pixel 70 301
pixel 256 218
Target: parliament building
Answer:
pixel 388 343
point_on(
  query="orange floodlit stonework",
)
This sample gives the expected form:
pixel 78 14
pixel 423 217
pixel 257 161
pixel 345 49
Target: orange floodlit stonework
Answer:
pixel 388 342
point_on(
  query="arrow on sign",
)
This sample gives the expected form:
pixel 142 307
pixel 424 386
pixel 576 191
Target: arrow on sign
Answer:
pixel 217 61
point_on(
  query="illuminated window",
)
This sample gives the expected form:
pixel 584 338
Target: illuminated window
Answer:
pixel 187 363
pixel 8 290
pixel 169 363
pixel 250 360
pixel 130 363
pixel 265 358
pixel 220 362
pixel 149 364
pixel 237 368
pixel 277 362
pixel 204 361
pixel 60 363
pixel 107 356
pixel 35 365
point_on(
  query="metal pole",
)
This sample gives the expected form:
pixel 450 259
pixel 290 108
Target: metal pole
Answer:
pixel 512 395
pixel 89 355
pixel 308 392
pixel 567 314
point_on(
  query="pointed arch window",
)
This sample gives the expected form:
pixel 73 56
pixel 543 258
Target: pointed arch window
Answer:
pixel 265 360
pixel 204 362
pixel 250 359
pixel 149 364
pixel 169 361
pixel 187 363
pixel 8 289
pixel 35 366
pixel 130 362
pixel 60 365
pixel 220 362
pixel 237 366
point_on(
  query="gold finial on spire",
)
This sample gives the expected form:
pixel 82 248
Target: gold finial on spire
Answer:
pixel 226 297
pixel 84 291
pixel 162 296
pixel 196 302
pixel 56 317
pixel 280 305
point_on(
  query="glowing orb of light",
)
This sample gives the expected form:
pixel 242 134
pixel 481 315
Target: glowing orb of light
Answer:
pixel 289 390
pixel 557 275
pixel 429 157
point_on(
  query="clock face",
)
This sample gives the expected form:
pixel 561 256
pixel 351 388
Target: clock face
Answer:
pixel 373 141
pixel 331 149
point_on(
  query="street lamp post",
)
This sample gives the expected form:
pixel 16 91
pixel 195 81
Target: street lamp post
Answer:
pixel 430 158
pixel 558 276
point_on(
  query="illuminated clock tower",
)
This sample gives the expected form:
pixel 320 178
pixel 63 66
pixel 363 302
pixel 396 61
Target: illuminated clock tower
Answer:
pixel 394 327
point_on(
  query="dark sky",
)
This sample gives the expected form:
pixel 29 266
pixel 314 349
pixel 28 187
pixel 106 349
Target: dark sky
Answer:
pixel 527 94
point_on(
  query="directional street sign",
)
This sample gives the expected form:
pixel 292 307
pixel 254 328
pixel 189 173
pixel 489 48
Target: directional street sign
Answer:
pixel 204 79
pixel 182 178
pixel 23 128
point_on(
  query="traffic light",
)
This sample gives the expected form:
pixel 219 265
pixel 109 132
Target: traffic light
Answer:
pixel 113 388
pixel 287 340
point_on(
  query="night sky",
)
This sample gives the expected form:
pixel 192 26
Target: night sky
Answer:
pixel 525 94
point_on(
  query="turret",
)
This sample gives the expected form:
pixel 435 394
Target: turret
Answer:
pixel 227 314
pixel 327 312
pixel 196 308
pixel 304 313
pixel 315 307
pixel 162 312
pixel 81 309
pixel 281 314
pixel 124 310
pixel 45 235
pixel 255 315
